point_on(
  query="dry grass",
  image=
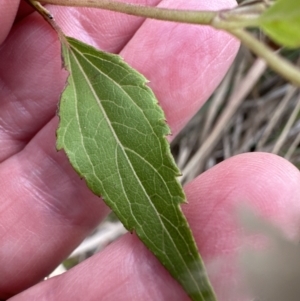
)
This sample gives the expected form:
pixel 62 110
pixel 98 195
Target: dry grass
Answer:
pixel 253 110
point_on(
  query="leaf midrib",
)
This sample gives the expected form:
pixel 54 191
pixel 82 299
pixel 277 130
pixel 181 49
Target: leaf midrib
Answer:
pixel 128 161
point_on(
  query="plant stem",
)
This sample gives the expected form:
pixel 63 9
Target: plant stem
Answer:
pixel 40 9
pixel 214 19
pixel 182 16
pixel 275 62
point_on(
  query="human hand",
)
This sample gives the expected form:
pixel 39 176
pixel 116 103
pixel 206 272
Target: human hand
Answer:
pixel 46 210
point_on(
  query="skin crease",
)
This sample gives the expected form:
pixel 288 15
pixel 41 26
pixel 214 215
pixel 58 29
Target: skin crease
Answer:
pixel 46 210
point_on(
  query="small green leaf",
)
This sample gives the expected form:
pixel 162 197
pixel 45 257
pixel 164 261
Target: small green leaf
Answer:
pixel 282 22
pixel 113 132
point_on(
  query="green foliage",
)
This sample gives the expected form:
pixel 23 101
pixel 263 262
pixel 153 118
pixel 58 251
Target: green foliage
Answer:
pixel 113 132
pixel 282 22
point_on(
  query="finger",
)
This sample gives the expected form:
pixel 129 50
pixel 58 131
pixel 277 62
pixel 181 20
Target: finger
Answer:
pixel 31 82
pixel 128 271
pixel 15 281
pixel 103 29
pixel 8 11
pixel 183 62
pixel 31 77
pixel 24 108
pixel 46 211
pixel 267 184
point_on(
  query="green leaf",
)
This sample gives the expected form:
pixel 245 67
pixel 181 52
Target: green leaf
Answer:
pixel 113 132
pixel 282 22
